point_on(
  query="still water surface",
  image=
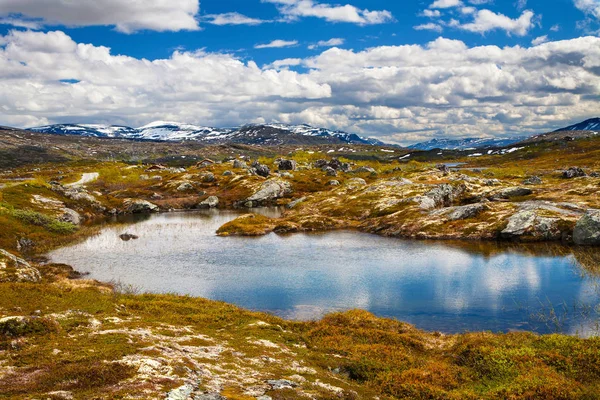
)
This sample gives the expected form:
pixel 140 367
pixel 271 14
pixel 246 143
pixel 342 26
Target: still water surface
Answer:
pixel 437 286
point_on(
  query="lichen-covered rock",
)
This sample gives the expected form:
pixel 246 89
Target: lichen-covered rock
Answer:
pixel 270 190
pixel 445 195
pixel 361 170
pixel 528 223
pixel 287 165
pixel 587 229
pixel 511 192
pixel 70 216
pixel 261 169
pixel 139 207
pixel 573 172
pixel 210 202
pixel 15 269
pixel 185 187
pixel 333 183
pixel 533 180
pixel 462 212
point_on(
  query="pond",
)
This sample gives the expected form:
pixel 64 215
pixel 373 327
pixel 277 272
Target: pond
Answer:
pixel 448 287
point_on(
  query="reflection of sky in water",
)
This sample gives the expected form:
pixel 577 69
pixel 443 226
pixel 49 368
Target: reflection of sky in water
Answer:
pixel 434 286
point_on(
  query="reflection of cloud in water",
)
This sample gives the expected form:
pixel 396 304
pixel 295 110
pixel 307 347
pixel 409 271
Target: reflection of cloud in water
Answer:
pixel 416 281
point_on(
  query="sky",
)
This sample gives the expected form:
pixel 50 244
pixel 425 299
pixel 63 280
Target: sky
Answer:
pixel 401 71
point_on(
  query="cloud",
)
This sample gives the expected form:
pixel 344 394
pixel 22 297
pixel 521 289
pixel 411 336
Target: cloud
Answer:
pixel 445 3
pixel 486 21
pixel 591 7
pixel 400 93
pixel 539 40
pixel 327 43
pixel 429 27
pixel 277 44
pixel 294 9
pixel 125 16
pixel 232 18
pixel 431 13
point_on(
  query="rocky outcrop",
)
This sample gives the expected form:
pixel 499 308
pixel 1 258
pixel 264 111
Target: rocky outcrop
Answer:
pixel 132 206
pixel 587 229
pixel 541 220
pixel 270 190
pixel 210 202
pixel 15 269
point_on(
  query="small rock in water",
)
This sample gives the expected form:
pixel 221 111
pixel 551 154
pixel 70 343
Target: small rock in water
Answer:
pixel 126 237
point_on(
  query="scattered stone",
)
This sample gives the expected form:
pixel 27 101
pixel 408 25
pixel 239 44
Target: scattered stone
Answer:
pixel 573 172
pixel 238 164
pixel 333 183
pixel 261 169
pixel 126 237
pixel 492 182
pixel 443 168
pixel 296 202
pixel 587 229
pixel 320 164
pixel 287 165
pixel 15 269
pixel 533 180
pixel 330 171
pixel 185 187
pixel 595 175
pixel 70 216
pixel 355 182
pixel 140 206
pixel 278 384
pixel 361 170
pixel 25 244
pixel 286 175
pixel 210 202
pixel 227 173
pixel 209 177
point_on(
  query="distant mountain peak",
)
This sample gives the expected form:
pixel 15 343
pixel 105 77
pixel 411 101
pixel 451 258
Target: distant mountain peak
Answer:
pixel 592 124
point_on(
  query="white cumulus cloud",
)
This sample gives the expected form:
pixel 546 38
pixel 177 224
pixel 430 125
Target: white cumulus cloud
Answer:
pixel 294 9
pixel 275 44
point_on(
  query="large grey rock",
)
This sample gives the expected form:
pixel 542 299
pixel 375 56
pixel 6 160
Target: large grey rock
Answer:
pixel 587 229
pixel 533 180
pixel 261 169
pixel 15 269
pixel 287 165
pixel 573 172
pixel 465 212
pixel 511 192
pixel 140 206
pixel 238 164
pixel 445 195
pixel 70 216
pixel 210 202
pixel 270 190
pixel 529 223
pixel 185 187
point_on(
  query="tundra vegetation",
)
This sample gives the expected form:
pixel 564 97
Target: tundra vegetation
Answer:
pixel 62 336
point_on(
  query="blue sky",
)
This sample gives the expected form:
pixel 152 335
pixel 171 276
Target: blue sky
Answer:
pixel 403 71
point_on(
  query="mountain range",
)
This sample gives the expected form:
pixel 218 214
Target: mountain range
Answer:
pixel 268 134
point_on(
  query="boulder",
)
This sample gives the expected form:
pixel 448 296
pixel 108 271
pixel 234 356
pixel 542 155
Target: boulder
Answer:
pixel 320 163
pixel 210 202
pixel 15 269
pixel 287 165
pixel 330 171
pixel 140 206
pixel 465 212
pixel 238 164
pixel 361 170
pixel 227 173
pixel 573 172
pixel 70 216
pixel 296 202
pixel 185 187
pixel 528 223
pixel 510 192
pixel 445 195
pixel 270 190
pixel 587 229
pixel 209 177
pixel 533 180
pixel 261 169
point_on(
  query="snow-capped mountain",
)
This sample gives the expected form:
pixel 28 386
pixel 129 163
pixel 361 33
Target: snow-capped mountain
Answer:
pixel 268 134
pixel 592 124
pixel 465 144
